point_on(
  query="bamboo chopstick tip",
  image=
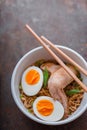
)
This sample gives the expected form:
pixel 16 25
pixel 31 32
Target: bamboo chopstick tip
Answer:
pixel 42 36
pixel 26 25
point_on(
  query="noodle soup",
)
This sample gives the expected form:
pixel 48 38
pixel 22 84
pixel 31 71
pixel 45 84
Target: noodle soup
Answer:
pixel 72 92
pixel 46 95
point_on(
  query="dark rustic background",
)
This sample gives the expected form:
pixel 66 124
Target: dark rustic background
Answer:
pixel 64 22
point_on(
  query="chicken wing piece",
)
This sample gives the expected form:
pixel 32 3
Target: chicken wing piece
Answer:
pixel 57 82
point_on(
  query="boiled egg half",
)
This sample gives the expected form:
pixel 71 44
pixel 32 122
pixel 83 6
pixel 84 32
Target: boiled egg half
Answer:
pixel 32 80
pixel 48 109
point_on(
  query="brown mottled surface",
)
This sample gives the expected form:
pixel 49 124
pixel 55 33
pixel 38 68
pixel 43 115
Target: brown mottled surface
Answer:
pixel 63 22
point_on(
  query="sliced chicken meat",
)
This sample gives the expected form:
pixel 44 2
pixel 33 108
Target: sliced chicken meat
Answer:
pixel 51 67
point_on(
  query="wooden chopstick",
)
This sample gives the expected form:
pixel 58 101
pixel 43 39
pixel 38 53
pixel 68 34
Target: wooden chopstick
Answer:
pixel 64 55
pixel 57 58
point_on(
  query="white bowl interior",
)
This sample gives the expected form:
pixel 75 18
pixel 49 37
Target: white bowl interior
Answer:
pixel 31 57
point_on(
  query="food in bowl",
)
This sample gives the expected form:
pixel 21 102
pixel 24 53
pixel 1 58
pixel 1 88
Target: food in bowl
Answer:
pixel 49 92
pixel 26 61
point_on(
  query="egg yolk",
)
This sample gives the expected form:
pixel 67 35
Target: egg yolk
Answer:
pixel 32 77
pixel 45 107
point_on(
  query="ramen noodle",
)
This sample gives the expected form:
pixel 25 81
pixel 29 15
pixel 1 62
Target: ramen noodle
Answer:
pixel 74 98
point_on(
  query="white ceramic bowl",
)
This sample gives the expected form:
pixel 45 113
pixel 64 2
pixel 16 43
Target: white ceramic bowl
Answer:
pixel 31 57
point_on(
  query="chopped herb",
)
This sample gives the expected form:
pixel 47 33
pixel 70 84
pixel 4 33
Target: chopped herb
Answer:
pixel 79 76
pixel 39 62
pixel 73 91
pixel 29 110
pixel 21 96
pixel 20 87
pixel 46 77
pixel 32 103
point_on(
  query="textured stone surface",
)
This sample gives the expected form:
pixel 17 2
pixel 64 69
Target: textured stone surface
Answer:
pixel 64 22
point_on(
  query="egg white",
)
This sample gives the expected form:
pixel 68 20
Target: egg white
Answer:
pixel 57 113
pixel 28 89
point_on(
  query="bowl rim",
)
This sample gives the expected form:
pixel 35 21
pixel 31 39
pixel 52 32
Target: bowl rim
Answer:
pixel 61 122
